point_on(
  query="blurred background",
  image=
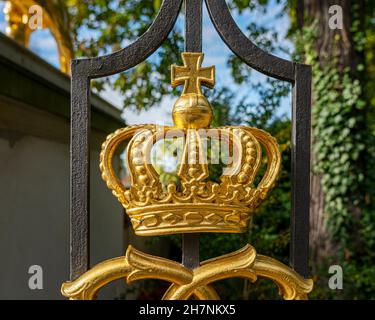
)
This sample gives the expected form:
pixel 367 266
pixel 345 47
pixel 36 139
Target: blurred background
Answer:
pixel 336 37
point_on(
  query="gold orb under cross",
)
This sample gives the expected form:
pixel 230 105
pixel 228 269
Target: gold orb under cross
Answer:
pixel 192 109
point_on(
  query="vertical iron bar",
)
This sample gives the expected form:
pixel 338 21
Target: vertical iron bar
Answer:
pixel 301 121
pixel 193 25
pixel 80 173
pixel 190 250
pixel 193 43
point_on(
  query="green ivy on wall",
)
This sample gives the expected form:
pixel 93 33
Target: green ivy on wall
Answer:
pixel 338 112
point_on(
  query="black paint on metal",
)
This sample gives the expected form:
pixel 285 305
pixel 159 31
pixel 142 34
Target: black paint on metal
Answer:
pixel 193 25
pixel 301 124
pixel 85 69
pixel 190 250
pixel 193 43
pixel 80 175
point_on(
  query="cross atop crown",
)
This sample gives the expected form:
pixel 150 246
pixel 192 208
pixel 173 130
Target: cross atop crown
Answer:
pixel 191 74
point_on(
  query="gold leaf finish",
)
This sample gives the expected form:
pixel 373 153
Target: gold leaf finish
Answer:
pixel 192 109
pixel 135 265
pixel 191 74
pixel 200 205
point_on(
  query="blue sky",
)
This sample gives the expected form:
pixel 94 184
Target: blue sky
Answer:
pixel 216 53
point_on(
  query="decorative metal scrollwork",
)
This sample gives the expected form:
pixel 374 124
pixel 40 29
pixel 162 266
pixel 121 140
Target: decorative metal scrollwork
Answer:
pixel 186 283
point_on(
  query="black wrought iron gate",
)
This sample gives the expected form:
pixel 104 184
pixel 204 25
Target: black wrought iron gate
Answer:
pixel 83 70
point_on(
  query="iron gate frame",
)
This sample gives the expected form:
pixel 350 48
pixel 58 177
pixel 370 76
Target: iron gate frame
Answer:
pixel 84 70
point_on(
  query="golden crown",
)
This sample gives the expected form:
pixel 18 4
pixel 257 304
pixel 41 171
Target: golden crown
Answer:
pixel 195 203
